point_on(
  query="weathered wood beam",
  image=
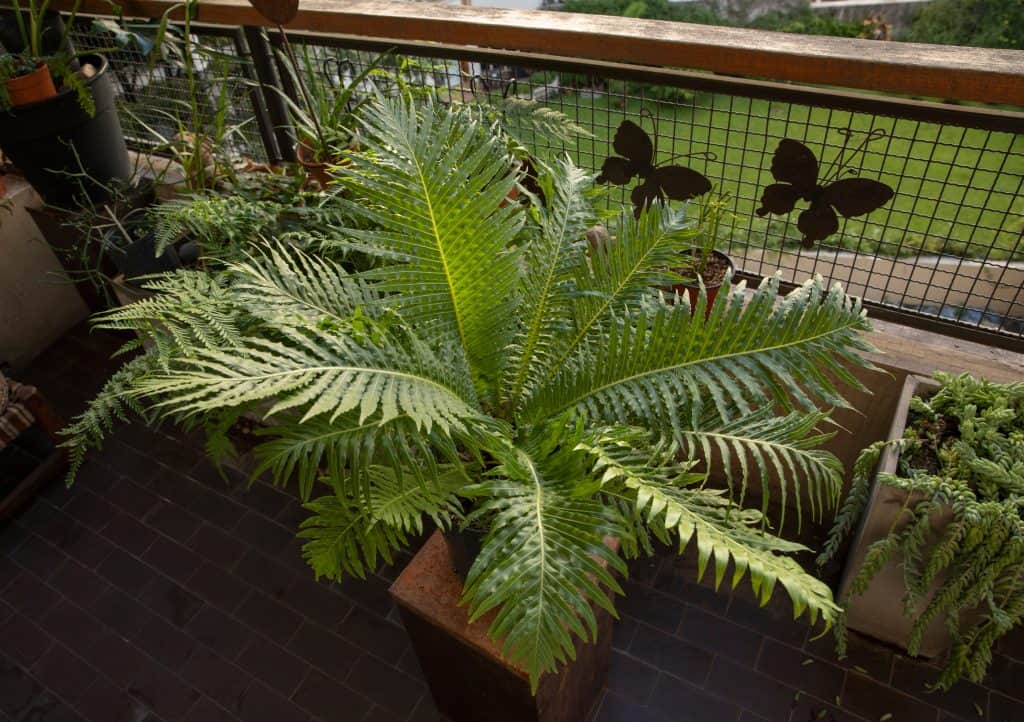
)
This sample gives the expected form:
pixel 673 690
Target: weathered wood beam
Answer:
pixel 937 71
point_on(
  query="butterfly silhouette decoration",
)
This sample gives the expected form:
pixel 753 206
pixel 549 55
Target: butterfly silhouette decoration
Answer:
pixel 636 157
pixel 796 169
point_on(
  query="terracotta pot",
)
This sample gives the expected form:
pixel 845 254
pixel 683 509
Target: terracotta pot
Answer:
pixel 692 290
pixel 469 679
pixel 316 170
pixel 37 85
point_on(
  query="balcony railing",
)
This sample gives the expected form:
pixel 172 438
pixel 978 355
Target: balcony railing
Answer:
pixel 947 252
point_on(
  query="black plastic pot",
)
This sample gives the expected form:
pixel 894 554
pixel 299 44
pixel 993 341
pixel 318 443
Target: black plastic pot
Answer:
pixel 61 150
pixel 464 546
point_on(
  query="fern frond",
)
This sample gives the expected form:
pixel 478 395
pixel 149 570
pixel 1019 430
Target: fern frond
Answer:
pixel 321 374
pixel 341 452
pixel 114 403
pixel 290 286
pixel 782 451
pixel 550 258
pixel 548 535
pixel 350 535
pixel 655 359
pixel 430 187
pixel 722 531
pixel 619 274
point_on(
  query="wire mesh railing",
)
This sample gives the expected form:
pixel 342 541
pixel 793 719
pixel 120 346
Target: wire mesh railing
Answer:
pixel 945 252
pixel 157 105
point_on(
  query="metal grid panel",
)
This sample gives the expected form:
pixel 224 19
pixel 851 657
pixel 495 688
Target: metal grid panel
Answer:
pixel 949 245
pixel 946 249
pixel 154 102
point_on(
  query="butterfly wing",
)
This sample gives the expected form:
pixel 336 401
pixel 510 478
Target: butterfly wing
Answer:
pixel 643 196
pixel 679 183
pixel 778 198
pixel 794 163
pixel 616 170
pixel 633 143
pixel 817 223
pixel 856 196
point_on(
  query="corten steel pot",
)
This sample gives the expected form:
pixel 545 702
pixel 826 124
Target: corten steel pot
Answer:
pixel 30 88
pixel 469 678
pixel 62 150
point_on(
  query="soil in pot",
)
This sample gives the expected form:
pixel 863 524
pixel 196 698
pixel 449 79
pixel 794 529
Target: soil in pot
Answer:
pixel 717 268
pixel 37 85
pixel 62 150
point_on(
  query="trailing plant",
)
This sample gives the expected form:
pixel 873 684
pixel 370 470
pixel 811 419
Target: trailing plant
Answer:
pixel 494 369
pixel 963 449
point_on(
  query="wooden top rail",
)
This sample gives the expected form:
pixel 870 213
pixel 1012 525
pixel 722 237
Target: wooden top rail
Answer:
pixel 938 71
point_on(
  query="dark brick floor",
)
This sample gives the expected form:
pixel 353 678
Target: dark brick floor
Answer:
pixel 156 590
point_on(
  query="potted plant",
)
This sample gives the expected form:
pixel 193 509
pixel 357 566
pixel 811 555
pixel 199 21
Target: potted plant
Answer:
pixel 938 560
pixel 58 123
pixel 704 265
pixel 492 373
pixel 326 124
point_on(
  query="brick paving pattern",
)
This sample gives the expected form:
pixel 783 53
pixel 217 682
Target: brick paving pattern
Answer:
pixel 156 590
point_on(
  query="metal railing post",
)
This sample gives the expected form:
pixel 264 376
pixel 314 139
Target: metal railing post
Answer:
pixel 271 82
pixel 256 98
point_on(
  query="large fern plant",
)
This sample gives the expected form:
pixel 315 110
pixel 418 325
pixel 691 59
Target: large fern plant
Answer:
pixel 494 369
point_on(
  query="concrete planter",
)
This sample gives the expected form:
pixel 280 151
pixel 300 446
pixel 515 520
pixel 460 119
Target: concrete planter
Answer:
pixel 37 305
pixel 468 679
pixel 879 611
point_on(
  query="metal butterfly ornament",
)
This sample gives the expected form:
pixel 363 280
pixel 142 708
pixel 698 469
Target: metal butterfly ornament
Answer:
pixel 796 169
pixel 636 160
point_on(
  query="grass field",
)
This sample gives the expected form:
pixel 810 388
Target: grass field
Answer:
pixel 957 190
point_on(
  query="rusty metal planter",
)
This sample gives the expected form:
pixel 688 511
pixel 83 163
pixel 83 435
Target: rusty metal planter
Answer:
pixel 468 678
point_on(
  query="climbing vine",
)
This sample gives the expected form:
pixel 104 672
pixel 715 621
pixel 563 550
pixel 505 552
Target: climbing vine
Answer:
pixel 963 449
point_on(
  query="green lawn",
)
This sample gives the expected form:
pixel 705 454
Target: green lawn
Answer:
pixel 955 188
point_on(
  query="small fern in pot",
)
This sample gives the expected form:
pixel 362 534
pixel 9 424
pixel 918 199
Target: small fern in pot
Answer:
pixel 492 359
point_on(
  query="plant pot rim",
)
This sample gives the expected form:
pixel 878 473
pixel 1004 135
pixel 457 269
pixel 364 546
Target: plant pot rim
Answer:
pixel 39 67
pixel 101 65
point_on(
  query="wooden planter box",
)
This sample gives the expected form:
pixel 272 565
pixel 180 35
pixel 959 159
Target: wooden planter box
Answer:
pixel 878 612
pixel 468 679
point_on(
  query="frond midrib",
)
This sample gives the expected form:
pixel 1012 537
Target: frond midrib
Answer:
pixel 365 369
pixel 704 360
pixel 538 315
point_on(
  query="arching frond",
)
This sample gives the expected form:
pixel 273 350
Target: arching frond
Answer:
pixel 113 403
pixel 549 259
pixel 659 358
pixel 779 451
pixel 291 286
pixel 722 532
pixel 616 274
pixel 341 452
pixel 430 186
pixel 321 375
pixel 350 535
pixel 186 309
pixel 547 535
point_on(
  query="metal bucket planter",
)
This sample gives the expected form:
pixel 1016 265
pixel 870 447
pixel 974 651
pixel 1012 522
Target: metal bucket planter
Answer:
pixel 468 678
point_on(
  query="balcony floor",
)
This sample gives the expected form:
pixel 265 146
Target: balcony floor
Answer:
pixel 156 590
